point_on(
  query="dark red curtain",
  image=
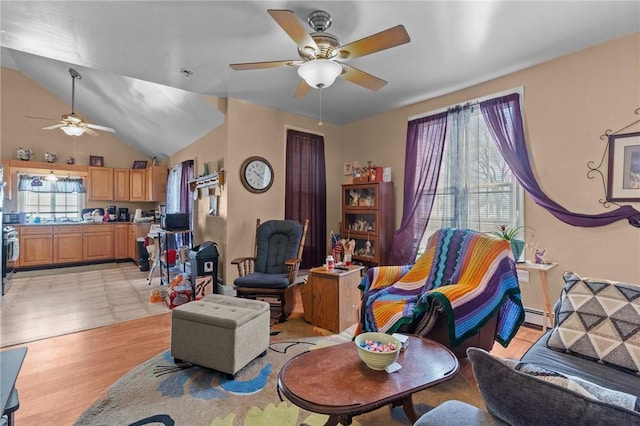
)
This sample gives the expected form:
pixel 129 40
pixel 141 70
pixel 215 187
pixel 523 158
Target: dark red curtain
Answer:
pixel 186 200
pixel 306 192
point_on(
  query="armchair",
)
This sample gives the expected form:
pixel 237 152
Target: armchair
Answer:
pixel 463 291
pixel 273 269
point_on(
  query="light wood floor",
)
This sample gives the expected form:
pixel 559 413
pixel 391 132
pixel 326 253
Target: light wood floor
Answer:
pixel 62 376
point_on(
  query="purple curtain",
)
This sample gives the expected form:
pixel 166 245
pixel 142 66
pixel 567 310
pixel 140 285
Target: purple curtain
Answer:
pixel 186 200
pixel 425 143
pixel 306 192
pixel 504 120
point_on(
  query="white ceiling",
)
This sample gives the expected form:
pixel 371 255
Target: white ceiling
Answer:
pixel 129 54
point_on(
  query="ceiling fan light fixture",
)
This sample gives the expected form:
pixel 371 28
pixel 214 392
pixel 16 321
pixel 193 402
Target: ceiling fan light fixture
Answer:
pixel 320 73
pixel 73 130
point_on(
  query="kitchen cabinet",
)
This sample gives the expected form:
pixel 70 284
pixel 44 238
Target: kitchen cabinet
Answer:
pixel 36 245
pixel 98 242
pixel 137 185
pixel 156 183
pixel 121 184
pixel 67 244
pixel 368 219
pixel 121 236
pixel 100 184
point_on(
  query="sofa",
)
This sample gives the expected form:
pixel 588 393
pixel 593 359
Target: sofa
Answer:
pixel 584 371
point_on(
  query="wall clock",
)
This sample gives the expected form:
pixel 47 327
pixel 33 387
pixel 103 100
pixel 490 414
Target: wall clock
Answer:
pixel 256 174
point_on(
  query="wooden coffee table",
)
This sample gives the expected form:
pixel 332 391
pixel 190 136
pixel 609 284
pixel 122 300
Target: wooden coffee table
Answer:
pixel 335 381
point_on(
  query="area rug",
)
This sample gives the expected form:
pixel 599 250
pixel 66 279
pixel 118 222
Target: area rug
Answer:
pixel 161 392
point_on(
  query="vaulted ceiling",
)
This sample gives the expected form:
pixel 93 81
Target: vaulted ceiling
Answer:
pixel 132 55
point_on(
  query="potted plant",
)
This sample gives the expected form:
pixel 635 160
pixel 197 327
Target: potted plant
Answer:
pixel 509 234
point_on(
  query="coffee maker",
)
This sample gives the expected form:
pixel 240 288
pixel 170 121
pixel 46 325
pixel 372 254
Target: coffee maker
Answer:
pixel 111 211
pixel 123 214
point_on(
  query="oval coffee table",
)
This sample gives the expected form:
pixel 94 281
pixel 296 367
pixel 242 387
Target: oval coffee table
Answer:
pixel 335 381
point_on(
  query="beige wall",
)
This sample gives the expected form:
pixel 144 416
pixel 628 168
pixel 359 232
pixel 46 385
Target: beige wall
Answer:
pixel 568 103
pixel 250 130
pixel 22 97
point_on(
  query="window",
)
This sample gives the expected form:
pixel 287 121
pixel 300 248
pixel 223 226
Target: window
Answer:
pixel 62 200
pixel 476 188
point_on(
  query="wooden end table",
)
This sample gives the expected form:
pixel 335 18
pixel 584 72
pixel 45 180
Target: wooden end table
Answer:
pixel 542 269
pixel 331 298
pixel 335 381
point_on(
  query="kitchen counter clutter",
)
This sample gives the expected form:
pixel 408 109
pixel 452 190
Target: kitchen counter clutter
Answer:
pixel 69 243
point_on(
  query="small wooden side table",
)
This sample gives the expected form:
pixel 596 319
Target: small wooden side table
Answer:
pixel 331 298
pixel 542 269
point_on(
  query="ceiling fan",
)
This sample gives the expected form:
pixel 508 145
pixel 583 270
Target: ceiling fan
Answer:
pixel 72 124
pixel 322 55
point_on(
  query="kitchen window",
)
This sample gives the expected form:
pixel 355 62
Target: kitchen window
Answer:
pixel 52 199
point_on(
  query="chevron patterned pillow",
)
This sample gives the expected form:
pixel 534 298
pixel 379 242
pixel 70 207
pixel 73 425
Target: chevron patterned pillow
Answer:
pixel 599 320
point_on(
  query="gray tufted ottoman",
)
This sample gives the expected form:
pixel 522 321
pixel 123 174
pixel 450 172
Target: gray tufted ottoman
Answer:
pixel 223 333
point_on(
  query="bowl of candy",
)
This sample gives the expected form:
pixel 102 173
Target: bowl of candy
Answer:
pixel 377 350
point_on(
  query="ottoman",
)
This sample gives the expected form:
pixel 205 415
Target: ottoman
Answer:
pixel 223 333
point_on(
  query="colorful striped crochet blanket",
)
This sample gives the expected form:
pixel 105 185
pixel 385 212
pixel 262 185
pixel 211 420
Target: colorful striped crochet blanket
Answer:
pixel 471 273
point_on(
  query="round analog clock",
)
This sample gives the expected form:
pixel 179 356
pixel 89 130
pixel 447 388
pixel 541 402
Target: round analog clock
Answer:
pixel 256 174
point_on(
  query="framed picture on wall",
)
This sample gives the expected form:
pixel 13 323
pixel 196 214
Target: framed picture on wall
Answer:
pixel 139 164
pixel 96 161
pixel 623 183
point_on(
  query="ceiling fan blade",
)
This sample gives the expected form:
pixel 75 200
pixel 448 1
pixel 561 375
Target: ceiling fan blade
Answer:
pixel 302 90
pixel 386 39
pixel 98 127
pixel 262 65
pixel 362 78
pixel 90 132
pixel 292 26
pixel 41 118
pixel 55 126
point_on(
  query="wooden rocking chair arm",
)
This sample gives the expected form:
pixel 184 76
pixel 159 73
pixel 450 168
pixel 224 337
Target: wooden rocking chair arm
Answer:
pixel 238 260
pixel 245 265
pixel 292 261
pixel 292 266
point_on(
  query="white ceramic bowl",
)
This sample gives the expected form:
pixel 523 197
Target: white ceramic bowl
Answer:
pixel 377 360
pixel 98 218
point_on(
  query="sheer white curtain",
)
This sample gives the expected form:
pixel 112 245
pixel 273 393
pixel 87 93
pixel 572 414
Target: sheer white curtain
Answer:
pixel 173 189
pixel 476 188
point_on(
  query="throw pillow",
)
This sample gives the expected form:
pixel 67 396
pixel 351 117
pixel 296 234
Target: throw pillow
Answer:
pixel 577 384
pixel 599 320
pixel 518 398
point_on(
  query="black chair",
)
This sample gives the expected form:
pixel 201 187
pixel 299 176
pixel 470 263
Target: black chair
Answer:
pixel 273 269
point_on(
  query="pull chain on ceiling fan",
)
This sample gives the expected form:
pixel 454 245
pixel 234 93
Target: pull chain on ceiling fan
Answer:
pixel 72 124
pixel 322 56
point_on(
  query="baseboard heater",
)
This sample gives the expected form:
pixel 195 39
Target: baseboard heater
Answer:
pixel 534 317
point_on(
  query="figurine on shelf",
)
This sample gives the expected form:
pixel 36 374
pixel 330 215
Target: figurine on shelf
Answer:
pixel 354 196
pixel 367 248
pixel 538 256
pixel 348 245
